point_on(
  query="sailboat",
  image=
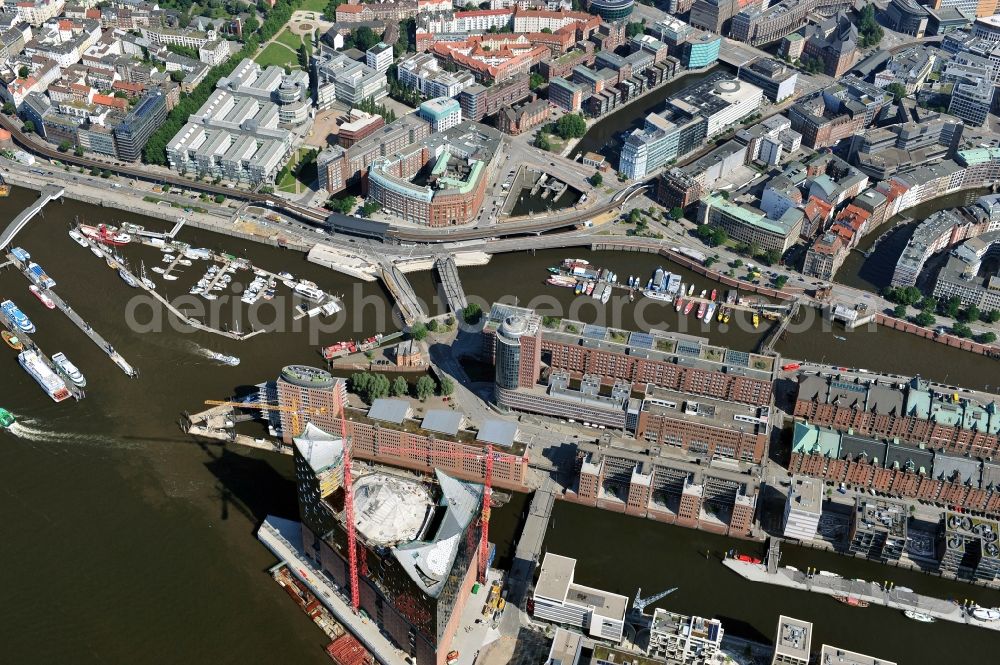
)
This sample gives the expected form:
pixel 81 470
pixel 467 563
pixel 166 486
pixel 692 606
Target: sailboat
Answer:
pixel 146 281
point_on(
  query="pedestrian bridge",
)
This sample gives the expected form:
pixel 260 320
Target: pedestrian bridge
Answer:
pixel 453 292
pixel 49 193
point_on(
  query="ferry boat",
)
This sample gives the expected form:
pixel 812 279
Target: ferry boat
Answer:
pixel 20 254
pixel 702 306
pixel 41 295
pixel 232 361
pixel 127 278
pixel 12 340
pixel 107 235
pixel 756 320
pixel 69 369
pixel 709 313
pixel 659 295
pixel 38 276
pixel 78 238
pixel 986 614
pixel 309 291
pixel 43 374
pixel 919 616
pixel 688 307
pixel 7 419
pixel 853 601
pixel 680 303
pixel 17 317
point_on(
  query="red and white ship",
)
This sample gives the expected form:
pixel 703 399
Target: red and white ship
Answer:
pixel 340 349
pixel 107 235
pixel 41 295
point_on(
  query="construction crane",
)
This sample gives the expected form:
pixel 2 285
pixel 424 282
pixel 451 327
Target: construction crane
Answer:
pixel 639 603
pixel 483 548
pixel 294 409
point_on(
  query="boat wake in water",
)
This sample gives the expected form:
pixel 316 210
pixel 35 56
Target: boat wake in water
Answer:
pixel 25 430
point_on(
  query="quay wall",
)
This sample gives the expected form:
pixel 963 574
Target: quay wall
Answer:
pixel 941 338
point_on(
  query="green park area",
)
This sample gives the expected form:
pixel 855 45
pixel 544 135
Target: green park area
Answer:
pixel 299 173
pixel 277 54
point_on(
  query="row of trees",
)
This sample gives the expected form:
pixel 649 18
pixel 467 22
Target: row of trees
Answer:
pixel 910 296
pixel 370 386
pixel 155 151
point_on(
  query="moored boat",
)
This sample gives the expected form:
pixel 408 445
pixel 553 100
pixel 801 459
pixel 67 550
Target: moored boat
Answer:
pixel 42 296
pixel 852 601
pixel 579 288
pixel 606 294
pixel 50 382
pixel 756 320
pixel 691 290
pixel 96 251
pixel 688 307
pixel 679 305
pixel 709 312
pixel 127 278
pixel 986 614
pixel 702 306
pixel 309 291
pixel 658 295
pixel 590 288
pixel 17 317
pixel 715 294
pixel 107 235
pixel 11 340
pixel 69 369
pixel 78 238
pixel 919 616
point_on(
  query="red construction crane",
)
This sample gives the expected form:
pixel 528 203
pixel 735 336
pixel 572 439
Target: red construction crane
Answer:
pixel 352 552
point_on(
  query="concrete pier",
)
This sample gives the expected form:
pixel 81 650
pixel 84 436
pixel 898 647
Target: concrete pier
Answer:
pixel 529 545
pixel 49 193
pixel 942 610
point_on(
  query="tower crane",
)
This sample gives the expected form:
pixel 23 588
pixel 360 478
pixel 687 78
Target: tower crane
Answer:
pixel 639 603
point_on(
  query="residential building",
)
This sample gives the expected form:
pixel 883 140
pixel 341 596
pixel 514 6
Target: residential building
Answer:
pixel 972 99
pixel 338 167
pixel 825 256
pixel 566 94
pixel 479 101
pixel 517 120
pixel 803 508
pixel 940 230
pixel 559 598
pixel 792 642
pixel 676 638
pixel 492 58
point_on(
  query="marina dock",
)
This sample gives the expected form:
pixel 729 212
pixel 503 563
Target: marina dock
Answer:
pixel 77 320
pixel 29 344
pixel 943 610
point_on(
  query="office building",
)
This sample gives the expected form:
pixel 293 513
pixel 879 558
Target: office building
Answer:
pixel 773 77
pixel 829 655
pixel 517 120
pixel 308 395
pixel 721 101
pixel 803 508
pixel 560 599
pixel 878 530
pixel 745 223
pixel 479 101
pixel 972 99
pixel 968 547
pixel 358 126
pixel 700 50
pixel 423 72
pixel 960 276
pixel 441 182
pixel 338 167
pixel 716 15
pixel 792 642
pixel 611 10
pixel 938 231
pixel 339 78
pixel 908 17
pixel 825 256
pixel 441 112
pixel 566 94
pixel 756 26
pixel 379 57
pixel 566 649
pixel 832 42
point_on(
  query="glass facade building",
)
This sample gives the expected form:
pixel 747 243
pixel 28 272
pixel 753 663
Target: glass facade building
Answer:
pixel 611 10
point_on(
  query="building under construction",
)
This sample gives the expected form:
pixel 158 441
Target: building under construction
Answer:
pixel 416 542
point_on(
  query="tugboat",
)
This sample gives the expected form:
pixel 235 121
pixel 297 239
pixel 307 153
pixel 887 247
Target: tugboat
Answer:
pixel 12 340
pixel 7 419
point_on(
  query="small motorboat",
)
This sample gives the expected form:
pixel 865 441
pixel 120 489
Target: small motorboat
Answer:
pixel 127 278
pixel 169 278
pixel 746 558
pixel 78 238
pixel 12 340
pixel 96 251
pixel 158 269
pixel 919 616
pixel 790 367
pixel 989 614
pixel 852 601
pixel 168 258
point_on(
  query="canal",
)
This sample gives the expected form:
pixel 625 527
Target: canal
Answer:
pixel 132 540
pixel 621 554
pixel 606 135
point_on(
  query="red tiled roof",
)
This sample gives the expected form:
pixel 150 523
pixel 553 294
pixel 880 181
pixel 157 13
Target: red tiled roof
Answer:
pixel 105 100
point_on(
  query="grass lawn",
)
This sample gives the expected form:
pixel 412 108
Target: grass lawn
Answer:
pixel 314 5
pixel 276 54
pixel 301 172
pixel 288 39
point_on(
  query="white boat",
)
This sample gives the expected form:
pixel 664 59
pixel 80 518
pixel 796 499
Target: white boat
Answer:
pixel 169 258
pixel 986 613
pixel 710 313
pixel 606 295
pixel 309 291
pixel 330 308
pixel 184 262
pixel 42 296
pixel 169 278
pixel 919 616
pixel 209 296
pixel 232 361
pixel 158 269
pixel 54 386
pixel 195 290
pixel 78 238
pixel 691 290
pixel 657 295
pixel 198 253
pixel 127 278
pixel 285 275
pixel 69 369
pixel 96 251
pixel 17 317
pixel 146 281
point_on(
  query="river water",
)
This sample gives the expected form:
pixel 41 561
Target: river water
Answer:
pixel 128 541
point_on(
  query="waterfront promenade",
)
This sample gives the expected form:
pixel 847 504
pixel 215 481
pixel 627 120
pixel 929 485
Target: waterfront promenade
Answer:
pixel 943 610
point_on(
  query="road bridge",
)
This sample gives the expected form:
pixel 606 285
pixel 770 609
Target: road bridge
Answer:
pixel 529 545
pixel 401 290
pixel 49 193
pixel 453 292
